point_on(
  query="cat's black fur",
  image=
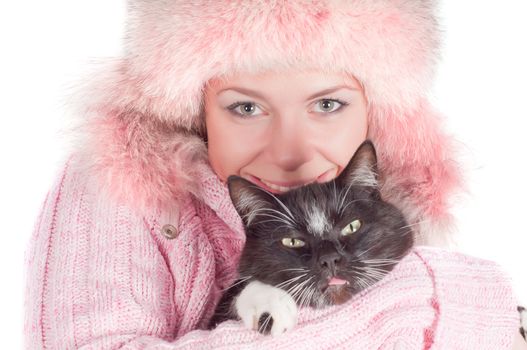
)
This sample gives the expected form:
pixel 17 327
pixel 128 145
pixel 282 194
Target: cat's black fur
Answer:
pixel 354 195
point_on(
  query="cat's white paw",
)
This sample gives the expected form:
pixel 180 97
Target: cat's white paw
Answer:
pixel 258 299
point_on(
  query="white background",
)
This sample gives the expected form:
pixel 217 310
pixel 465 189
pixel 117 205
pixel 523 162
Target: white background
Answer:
pixel 481 87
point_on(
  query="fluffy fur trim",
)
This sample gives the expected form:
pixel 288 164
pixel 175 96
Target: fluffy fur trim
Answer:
pixel 141 115
pixel 418 167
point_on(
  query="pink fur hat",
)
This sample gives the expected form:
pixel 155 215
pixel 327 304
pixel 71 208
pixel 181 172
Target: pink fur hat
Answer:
pixel 142 114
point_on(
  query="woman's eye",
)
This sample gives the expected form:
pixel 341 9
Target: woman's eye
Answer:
pixel 329 105
pixel 352 227
pixel 293 242
pixel 243 109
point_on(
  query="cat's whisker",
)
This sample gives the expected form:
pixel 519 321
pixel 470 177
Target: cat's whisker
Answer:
pixel 380 262
pixel 309 291
pixel 335 194
pixel 264 324
pixel 374 272
pixel 381 265
pixel 314 292
pixel 250 217
pixel 363 285
pixel 300 295
pixel 293 269
pixel 367 250
pixel 284 285
pixel 307 295
pixel 376 275
pixel 243 279
pixel 370 271
pixel 348 203
pixel 366 279
pixel 288 218
pixel 287 225
pixel 376 245
pixel 282 218
pixel 342 198
pixel 279 202
pixel 369 267
pixel 294 291
pixel 415 224
pixel 289 281
pixel 358 270
pixel 357 200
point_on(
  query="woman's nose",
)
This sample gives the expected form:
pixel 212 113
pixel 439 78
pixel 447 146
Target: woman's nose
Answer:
pixel 291 146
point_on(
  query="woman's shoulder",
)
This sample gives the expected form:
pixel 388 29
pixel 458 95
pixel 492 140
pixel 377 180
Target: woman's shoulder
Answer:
pixel 447 267
pixel 447 259
pixel 77 203
pixel 81 180
pixel 89 252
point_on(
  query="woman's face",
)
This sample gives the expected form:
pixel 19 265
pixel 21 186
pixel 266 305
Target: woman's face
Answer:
pixel 284 130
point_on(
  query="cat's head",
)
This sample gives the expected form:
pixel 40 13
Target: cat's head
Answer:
pixel 322 242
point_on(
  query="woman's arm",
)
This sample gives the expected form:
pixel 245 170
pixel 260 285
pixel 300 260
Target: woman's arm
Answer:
pixel 89 288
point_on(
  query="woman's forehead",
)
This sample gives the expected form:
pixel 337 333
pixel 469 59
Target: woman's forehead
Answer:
pixel 308 81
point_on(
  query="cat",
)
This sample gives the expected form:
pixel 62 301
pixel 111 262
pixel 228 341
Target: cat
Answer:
pixel 315 245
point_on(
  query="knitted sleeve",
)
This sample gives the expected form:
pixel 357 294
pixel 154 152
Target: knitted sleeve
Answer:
pixel 95 278
pixel 434 299
pixel 88 287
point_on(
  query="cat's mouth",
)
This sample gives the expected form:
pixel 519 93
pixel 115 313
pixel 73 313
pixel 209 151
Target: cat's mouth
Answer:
pixel 335 283
pixel 336 291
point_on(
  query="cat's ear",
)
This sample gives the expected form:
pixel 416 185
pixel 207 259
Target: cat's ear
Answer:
pixel 362 168
pixel 247 198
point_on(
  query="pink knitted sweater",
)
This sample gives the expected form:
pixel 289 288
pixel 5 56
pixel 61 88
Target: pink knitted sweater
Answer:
pixel 101 277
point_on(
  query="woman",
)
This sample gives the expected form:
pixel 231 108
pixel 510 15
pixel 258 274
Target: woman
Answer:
pixel 138 236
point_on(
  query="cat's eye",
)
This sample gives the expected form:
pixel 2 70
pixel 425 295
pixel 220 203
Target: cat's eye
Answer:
pixel 352 227
pixel 293 242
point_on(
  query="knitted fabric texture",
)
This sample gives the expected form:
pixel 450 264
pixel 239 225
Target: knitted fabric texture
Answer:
pixel 101 277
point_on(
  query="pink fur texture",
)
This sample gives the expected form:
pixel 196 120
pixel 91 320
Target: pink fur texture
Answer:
pixel 141 115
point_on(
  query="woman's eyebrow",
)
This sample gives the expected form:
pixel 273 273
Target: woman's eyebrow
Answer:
pixel 330 90
pixel 254 93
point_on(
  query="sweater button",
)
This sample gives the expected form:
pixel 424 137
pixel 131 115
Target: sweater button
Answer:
pixel 169 231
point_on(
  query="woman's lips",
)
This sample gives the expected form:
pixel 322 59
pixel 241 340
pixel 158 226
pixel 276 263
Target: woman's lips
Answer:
pixel 281 186
pixel 326 176
pixel 270 187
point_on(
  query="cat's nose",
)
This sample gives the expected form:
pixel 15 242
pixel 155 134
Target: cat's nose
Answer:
pixel 329 260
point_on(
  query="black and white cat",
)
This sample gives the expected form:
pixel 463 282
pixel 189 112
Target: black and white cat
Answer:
pixel 316 245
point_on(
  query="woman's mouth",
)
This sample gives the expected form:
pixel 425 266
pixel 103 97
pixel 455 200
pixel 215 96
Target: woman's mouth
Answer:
pixel 273 187
pixel 277 187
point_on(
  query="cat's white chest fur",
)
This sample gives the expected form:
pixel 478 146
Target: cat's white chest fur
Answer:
pixel 258 298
